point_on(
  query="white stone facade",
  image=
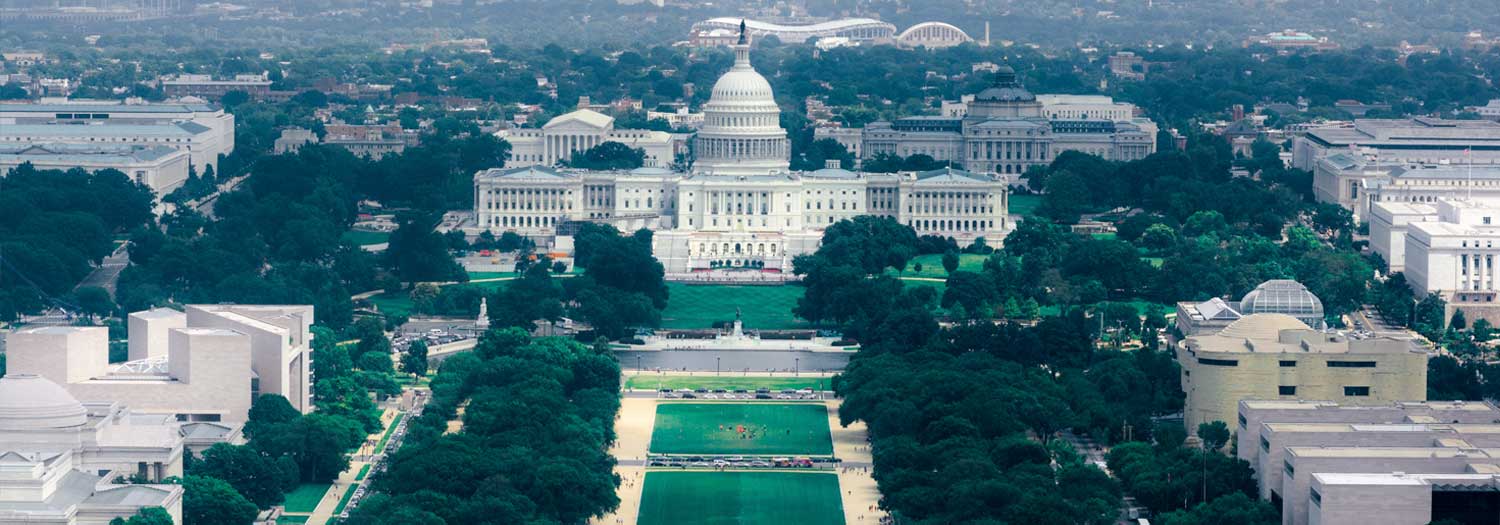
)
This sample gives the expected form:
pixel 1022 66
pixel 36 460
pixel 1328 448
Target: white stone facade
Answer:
pixel 1420 140
pixel 739 206
pixel 203 365
pixel 1006 129
pixel 161 168
pixel 1357 180
pixel 557 140
pixel 204 131
pixel 61 461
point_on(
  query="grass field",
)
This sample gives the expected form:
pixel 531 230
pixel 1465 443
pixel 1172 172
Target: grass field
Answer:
pixel 1024 205
pixel 932 265
pixel 741 498
pixel 305 497
pixel 653 382
pixel 699 306
pixel 361 238
pixel 291 520
pixel 710 428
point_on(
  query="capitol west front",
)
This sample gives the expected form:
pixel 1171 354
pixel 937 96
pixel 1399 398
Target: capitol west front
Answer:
pixel 739 206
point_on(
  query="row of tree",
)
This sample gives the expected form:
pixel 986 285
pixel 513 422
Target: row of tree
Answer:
pixel 537 420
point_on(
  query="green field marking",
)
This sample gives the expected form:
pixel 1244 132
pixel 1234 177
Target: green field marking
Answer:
pixel 1024 205
pixel 654 382
pixel 741 498
pixel 763 307
pixel 364 238
pixel 788 429
pixel 305 497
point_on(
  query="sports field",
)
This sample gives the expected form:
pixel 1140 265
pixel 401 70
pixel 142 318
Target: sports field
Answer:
pixel 787 429
pixel 653 382
pixel 741 498
pixel 763 307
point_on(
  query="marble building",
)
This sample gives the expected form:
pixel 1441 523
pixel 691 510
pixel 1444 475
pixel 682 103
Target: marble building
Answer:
pixel 558 139
pixel 739 205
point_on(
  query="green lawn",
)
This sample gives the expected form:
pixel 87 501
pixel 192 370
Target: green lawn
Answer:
pixel 305 497
pixel 653 382
pixel 388 430
pixel 348 494
pixel 362 472
pixel 741 498
pixel 932 265
pixel 763 307
pixel 712 428
pixel 1024 205
pixel 475 276
pixel 291 520
pixel 361 238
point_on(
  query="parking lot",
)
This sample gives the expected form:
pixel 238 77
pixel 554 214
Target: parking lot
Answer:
pixel 738 394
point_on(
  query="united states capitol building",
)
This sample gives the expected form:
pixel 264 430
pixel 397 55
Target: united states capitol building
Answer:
pixel 739 205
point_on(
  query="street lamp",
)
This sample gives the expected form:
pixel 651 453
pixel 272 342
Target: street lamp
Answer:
pixel 637 365
pixel 796 366
pixel 716 365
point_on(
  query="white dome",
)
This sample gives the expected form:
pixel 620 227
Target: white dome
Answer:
pixel 741 132
pixel 741 85
pixel 32 402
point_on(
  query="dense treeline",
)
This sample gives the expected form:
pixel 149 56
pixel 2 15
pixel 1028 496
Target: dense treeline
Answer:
pixel 537 422
pixel 274 240
pixel 55 226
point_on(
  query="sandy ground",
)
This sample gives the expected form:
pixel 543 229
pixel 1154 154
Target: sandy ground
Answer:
pixel 861 496
pixel 633 437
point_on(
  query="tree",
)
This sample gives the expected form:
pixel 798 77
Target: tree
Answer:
pixel 259 478
pixel 609 155
pixel 146 516
pixel 1215 434
pixel 950 262
pixel 316 443
pixel 94 301
pixel 1158 238
pixel 378 362
pixel 1233 509
pixel 414 361
pixel 268 410
pixel 1067 197
pixel 1457 321
pixel 212 501
pixel 419 254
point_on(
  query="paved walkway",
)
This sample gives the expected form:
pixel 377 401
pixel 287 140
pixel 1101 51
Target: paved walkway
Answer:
pixel 861 496
pixel 632 439
pixel 346 480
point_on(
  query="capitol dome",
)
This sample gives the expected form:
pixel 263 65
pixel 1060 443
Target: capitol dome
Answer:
pixel 741 132
pixel 30 402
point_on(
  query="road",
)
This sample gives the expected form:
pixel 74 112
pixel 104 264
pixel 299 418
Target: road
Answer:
pixel 729 361
pixel 108 272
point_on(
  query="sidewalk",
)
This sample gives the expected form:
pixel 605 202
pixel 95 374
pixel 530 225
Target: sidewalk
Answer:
pixel 346 480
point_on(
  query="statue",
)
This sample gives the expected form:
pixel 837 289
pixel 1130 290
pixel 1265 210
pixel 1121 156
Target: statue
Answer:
pixel 484 314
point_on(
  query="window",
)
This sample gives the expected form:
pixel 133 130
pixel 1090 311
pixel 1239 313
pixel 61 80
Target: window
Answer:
pixel 1288 364
pixel 1286 390
pixel 1351 364
pixel 1218 362
pixel 1265 444
pixel 1290 472
pixel 1317 499
pixel 1243 423
pixel 1357 391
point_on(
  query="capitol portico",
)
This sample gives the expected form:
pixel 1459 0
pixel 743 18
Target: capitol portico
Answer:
pixel 739 206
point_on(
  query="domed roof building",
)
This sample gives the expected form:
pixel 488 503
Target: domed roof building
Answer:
pixel 1006 98
pixel 1284 296
pixel 741 133
pixel 29 402
pixel 62 460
